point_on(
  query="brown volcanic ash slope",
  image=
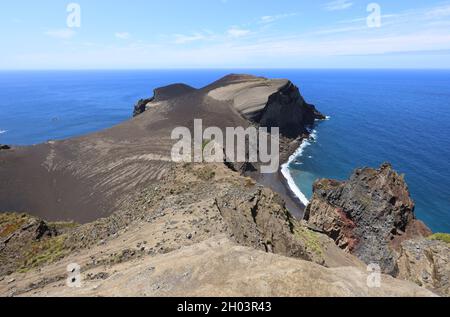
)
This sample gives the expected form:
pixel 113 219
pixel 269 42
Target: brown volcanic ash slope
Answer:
pixel 88 177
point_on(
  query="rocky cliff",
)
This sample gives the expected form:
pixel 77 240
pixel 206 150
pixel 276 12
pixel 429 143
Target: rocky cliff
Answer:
pixel 372 216
pixel 288 110
pixel 274 103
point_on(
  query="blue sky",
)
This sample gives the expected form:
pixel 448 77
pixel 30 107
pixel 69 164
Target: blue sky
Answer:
pixel 224 34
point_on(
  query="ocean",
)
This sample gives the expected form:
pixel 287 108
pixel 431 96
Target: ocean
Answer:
pixel 375 116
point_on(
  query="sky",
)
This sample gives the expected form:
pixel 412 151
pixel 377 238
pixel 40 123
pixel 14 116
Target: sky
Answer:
pixel 160 34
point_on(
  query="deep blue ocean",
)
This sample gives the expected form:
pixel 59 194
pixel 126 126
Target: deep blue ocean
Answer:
pixel 399 116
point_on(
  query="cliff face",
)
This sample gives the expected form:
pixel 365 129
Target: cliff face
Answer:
pixel 288 110
pixel 372 216
pixel 367 215
pixel 268 103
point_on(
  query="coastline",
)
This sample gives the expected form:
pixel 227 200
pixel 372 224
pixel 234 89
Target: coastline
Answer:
pixel 283 183
pixel 296 201
pixel 286 178
pixel 289 180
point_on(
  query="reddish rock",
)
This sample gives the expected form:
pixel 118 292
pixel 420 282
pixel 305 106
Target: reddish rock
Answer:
pixel 369 215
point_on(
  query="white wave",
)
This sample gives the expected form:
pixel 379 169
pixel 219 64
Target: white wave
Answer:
pixel 287 174
pixel 3 131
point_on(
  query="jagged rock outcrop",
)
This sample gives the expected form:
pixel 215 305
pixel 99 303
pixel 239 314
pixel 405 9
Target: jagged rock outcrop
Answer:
pixel 259 219
pixel 288 110
pixel 427 263
pixel 367 215
pixel 141 106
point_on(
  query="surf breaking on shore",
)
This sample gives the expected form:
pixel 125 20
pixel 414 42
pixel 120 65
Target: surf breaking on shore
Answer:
pixel 297 154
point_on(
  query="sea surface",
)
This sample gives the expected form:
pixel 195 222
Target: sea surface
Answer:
pixel 398 116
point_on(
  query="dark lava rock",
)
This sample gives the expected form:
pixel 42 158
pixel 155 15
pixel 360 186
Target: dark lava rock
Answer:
pixel 288 110
pixel 366 215
pixel 141 106
pixel 4 147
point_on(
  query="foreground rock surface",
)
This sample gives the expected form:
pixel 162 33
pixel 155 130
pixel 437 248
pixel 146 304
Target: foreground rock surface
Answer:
pixel 219 267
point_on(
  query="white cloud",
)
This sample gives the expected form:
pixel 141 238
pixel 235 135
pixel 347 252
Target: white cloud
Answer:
pixel 233 32
pixel 63 34
pixel 122 35
pixel 183 39
pixel 405 33
pixel 237 32
pixel 273 18
pixel 338 5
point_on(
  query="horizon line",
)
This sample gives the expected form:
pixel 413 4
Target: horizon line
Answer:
pixel 220 68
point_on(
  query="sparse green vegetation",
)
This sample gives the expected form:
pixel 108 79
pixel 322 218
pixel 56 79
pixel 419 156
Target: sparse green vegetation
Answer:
pixel 310 238
pixel 45 252
pixel 444 237
pixel 10 222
